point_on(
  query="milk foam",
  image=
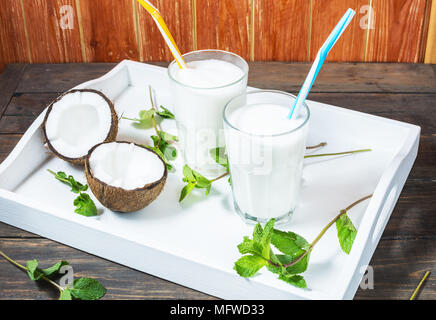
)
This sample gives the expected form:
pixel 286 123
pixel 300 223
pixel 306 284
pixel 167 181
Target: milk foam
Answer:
pixel 264 119
pixel 210 73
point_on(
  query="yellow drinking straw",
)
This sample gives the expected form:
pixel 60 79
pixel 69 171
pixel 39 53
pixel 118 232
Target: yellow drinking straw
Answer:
pixel 165 32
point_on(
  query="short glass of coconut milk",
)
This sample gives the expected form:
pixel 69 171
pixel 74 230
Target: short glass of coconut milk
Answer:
pixel 200 93
pixel 266 152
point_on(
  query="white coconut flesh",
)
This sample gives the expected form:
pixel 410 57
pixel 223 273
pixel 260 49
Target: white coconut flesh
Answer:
pixel 125 165
pixel 77 122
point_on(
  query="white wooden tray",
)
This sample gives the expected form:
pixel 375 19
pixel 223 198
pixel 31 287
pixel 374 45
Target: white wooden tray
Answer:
pixel 194 244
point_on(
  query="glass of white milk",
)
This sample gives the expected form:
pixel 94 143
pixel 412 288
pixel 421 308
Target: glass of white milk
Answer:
pixel 200 93
pixel 266 152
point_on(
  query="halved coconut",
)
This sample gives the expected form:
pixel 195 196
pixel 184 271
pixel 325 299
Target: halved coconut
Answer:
pixel 125 176
pixel 77 121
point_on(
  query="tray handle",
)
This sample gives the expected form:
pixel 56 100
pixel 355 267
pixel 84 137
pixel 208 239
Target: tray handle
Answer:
pixel 381 206
pixel 389 201
pixel 395 181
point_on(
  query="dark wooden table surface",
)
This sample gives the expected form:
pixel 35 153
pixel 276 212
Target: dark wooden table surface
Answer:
pixel 405 92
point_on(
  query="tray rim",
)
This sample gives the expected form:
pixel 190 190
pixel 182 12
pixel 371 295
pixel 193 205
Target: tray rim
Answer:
pixel 404 158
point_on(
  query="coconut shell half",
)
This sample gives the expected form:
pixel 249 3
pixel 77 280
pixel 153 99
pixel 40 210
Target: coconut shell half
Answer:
pixel 117 198
pixel 73 146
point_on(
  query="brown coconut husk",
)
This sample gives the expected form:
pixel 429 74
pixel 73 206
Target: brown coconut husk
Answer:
pixel 112 135
pixel 119 199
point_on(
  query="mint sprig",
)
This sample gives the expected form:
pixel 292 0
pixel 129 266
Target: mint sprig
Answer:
pixel 83 288
pixel 194 180
pixel 261 254
pixel 162 146
pixel 294 256
pixel 85 206
pixel 76 186
pixel 162 141
pixel 146 117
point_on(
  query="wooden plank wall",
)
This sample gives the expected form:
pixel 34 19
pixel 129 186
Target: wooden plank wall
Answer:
pixel 430 54
pixel 280 30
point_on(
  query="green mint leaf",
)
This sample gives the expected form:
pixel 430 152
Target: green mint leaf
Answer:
pixel 167 114
pixel 260 245
pixel 167 152
pixel 33 271
pixel 289 243
pixel 202 182
pixel 257 233
pixel 145 120
pixel 250 246
pixel 346 233
pixel 267 232
pixel 248 266
pixel 220 157
pixel 293 246
pixel 170 152
pixel 295 280
pixel 186 190
pixel 188 174
pixel 54 269
pixel 66 295
pixel 208 188
pixel 265 239
pixel 85 206
pixel 298 268
pixel 76 186
pixel 273 257
pixel 194 180
pixel 168 137
pixel 36 273
pixel 61 175
pixel 145 115
pixel 155 139
pixel 87 289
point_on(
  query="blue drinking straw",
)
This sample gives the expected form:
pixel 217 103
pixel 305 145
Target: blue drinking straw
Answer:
pixel 320 58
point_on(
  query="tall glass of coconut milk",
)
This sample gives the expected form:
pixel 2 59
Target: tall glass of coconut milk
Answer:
pixel 266 152
pixel 200 93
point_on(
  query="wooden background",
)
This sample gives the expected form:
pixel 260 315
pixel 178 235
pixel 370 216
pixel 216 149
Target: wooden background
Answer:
pixel 259 30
